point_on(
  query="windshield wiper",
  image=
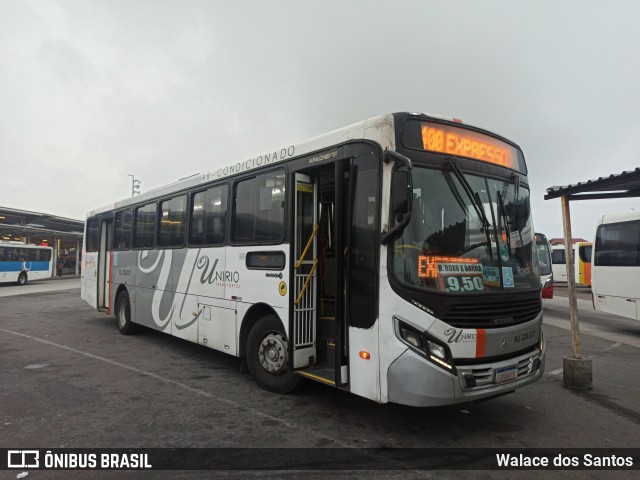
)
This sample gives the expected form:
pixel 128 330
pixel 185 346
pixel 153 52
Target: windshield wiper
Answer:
pixel 504 220
pixel 475 202
pixel 516 192
pixel 514 210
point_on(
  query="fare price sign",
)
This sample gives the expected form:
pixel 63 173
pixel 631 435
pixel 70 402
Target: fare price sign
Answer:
pixel 460 277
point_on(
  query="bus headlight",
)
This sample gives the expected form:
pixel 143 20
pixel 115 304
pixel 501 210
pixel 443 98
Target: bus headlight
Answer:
pixel 436 350
pixel 410 336
pixel 422 343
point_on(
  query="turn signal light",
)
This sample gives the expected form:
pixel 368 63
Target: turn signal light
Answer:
pixel 365 355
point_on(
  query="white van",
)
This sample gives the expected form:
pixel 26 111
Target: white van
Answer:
pixel 616 265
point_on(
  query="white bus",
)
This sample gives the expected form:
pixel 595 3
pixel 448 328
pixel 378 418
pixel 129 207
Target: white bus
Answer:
pixel 582 252
pixel 394 258
pixel 20 262
pixel 616 265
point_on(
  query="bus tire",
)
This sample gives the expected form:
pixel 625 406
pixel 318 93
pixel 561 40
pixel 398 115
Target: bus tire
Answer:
pixel 123 314
pixel 267 356
pixel 22 278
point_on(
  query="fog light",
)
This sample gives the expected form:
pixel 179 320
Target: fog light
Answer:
pixel 469 380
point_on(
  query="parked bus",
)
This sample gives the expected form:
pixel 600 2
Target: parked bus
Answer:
pixel 394 259
pixel 544 260
pixel 581 260
pixel 616 264
pixel 20 263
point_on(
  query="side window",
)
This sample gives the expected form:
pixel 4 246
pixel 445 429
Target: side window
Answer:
pixel 122 234
pixel 2 254
pixel 557 257
pixel 209 216
pixel 173 219
pixel 585 253
pixel 618 245
pixel 145 226
pixel 92 235
pixel 259 209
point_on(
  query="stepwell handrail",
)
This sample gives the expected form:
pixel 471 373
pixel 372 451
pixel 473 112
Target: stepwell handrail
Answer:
pixel 304 252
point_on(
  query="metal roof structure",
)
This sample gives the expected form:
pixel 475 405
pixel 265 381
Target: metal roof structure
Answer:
pixel 621 185
pixel 36 226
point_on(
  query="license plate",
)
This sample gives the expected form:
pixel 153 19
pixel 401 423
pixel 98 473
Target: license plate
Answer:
pixel 506 373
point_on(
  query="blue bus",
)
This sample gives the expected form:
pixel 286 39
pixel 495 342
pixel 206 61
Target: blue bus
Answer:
pixel 20 263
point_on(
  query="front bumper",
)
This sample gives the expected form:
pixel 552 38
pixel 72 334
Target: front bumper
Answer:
pixel 412 380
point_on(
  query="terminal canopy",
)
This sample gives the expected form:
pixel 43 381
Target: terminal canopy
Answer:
pixel 35 227
pixel 625 184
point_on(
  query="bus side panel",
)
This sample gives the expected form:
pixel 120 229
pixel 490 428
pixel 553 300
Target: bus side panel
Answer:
pixel 124 273
pixel 615 290
pixel 152 274
pixel 364 374
pixel 9 271
pixel 183 306
pixel 89 282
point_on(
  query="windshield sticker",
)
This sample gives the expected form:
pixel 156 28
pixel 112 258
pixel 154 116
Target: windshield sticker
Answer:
pixel 491 276
pixel 504 252
pixel 507 275
pixel 459 269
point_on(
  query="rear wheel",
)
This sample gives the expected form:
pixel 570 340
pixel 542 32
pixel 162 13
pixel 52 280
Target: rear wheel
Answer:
pixel 123 314
pixel 268 356
pixel 22 278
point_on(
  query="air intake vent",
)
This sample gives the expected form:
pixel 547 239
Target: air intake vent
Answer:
pixel 493 314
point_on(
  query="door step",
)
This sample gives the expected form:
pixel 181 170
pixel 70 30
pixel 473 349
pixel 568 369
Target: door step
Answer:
pixel 324 375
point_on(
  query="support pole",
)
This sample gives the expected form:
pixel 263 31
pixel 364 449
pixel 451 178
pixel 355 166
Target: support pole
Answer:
pixel 577 371
pixel 571 279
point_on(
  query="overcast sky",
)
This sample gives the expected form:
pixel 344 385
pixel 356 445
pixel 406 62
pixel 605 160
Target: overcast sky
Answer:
pixel 94 90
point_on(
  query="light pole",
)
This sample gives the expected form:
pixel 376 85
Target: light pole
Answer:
pixel 135 185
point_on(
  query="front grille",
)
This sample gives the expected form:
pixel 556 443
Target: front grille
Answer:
pixel 493 314
pixel 486 376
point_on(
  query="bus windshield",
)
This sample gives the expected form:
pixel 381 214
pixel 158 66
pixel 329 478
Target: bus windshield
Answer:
pixel 468 235
pixel 544 257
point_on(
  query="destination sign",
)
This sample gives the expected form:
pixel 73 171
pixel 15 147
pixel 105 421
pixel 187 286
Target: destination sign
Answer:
pixel 465 143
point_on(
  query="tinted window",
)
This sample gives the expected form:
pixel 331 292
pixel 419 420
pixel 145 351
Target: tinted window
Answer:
pixel 92 239
pixel 173 220
pixel 208 216
pixel 363 243
pixel 618 245
pixel 145 227
pixel 585 253
pixel 259 209
pixel 557 257
pixel 122 235
pixel 41 255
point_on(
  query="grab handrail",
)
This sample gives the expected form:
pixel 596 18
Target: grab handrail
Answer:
pixel 304 252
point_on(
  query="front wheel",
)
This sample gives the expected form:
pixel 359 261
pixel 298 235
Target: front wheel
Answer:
pixel 22 278
pixel 123 314
pixel 268 356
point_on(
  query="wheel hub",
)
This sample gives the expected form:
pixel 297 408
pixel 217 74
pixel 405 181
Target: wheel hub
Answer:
pixel 273 353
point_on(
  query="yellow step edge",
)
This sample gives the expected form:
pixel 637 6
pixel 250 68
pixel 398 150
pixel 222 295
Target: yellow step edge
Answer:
pixel 316 377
